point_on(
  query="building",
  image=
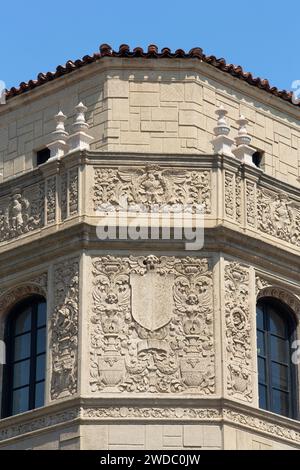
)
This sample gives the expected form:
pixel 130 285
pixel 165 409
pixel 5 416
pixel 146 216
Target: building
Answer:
pixel 145 344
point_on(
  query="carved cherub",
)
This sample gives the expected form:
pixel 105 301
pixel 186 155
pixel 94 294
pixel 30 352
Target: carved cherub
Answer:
pixel 18 211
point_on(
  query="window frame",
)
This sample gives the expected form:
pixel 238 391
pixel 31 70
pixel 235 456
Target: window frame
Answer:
pixel 10 338
pixel 284 312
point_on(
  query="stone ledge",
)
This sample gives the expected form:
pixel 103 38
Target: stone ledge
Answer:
pixel 82 411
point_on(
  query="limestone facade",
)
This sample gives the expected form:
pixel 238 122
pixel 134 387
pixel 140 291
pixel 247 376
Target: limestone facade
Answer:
pixel 149 345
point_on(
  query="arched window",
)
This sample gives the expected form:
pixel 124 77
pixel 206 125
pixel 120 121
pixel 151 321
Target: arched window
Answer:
pixel 24 372
pixel 276 372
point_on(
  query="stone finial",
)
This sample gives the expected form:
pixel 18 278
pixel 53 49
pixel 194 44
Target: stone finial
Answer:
pixel 58 146
pixel 243 138
pixel 243 151
pixel 222 127
pixel 222 144
pixel 80 122
pixel 80 140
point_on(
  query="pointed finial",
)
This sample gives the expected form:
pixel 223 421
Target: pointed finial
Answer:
pixel 60 124
pixel 80 140
pixel 222 144
pixel 243 138
pixel 80 122
pixel 222 127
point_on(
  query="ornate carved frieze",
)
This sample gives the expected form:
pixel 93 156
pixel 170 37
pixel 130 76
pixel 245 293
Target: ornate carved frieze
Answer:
pixel 278 216
pixel 238 331
pixel 22 212
pixel 263 425
pixel 152 326
pixel 152 185
pixel 64 329
pixel 45 421
pixel 205 414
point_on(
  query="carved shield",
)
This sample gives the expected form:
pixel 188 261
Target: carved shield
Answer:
pixel 152 299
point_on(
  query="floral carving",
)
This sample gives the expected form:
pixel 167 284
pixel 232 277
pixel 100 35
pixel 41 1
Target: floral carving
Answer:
pixel 152 412
pixel 170 356
pixel 64 330
pixel 251 203
pixel 51 199
pixel 73 191
pixel 260 283
pixel 22 212
pixel 238 331
pixel 64 196
pixel 279 216
pixel 238 198
pixel 230 194
pixel 152 185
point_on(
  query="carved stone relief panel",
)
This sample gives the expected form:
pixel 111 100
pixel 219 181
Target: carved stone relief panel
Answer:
pixel 238 324
pixel 69 193
pixel 64 329
pixel 51 199
pixel 22 211
pixel 152 185
pixel 251 210
pixel 278 216
pixel 152 326
pixel 230 195
pixel 233 196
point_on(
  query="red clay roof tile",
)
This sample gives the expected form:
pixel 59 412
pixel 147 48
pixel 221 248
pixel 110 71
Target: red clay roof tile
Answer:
pixel 152 52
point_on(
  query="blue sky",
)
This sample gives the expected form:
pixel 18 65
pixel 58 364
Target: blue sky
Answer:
pixel 262 36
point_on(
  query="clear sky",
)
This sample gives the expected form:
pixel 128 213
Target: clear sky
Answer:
pixel 261 35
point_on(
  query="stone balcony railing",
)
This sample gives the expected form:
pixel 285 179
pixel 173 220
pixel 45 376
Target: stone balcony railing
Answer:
pixel 239 197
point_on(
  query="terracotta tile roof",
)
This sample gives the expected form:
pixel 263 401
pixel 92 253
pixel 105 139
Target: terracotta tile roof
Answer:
pixel 152 53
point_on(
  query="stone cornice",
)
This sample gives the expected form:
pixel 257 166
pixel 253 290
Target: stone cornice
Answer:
pixel 121 409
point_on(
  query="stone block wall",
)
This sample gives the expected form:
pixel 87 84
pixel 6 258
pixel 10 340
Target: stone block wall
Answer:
pixel 157 106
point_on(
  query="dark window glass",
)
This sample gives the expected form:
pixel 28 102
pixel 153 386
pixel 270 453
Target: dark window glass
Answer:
pixel 24 376
pixel 42 156
pixel 276 372
pixel 257 158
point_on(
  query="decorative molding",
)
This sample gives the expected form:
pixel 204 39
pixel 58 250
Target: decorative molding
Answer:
pixel 203 414
pixel 172 352
pixel 254 423
pixel 283 295
pixel 152 185
pixel 37 424
pixel 238 331
pixel 21 212
pixel 35 286
pixel 64 329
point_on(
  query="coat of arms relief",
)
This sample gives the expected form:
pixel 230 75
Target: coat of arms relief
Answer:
pixel 152 325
